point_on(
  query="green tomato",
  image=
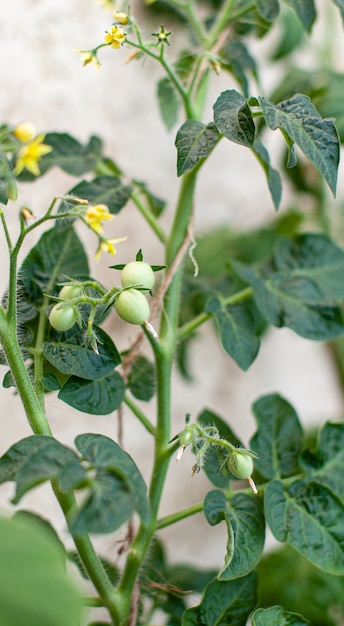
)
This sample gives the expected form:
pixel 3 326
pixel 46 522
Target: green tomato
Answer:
pixel 240 464
pixel 138 274
pixel 185 438
pixel 132 306
pixel 62 318
pixel 69 291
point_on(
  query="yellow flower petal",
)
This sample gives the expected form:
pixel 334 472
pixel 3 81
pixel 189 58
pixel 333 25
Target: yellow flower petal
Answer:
pixel 121 18
pixel 96 214
pixel 114 37
pixel 24 132
pixel 107 245
pixel 30 154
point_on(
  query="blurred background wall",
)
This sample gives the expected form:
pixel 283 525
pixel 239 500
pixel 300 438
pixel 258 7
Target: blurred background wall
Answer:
pixel 42 80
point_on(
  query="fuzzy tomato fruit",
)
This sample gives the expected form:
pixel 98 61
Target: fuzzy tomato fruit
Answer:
pixel 185 438
pixel 132 306
pixel 62 318
pixel 240 464
pixel 69 291
pixel 138 274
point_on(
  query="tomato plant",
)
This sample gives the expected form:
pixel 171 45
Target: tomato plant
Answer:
pixel 60 343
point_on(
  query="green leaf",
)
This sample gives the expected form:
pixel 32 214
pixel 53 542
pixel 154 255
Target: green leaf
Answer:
pixel 340 5
pixel 34 587
pixel 232 117
pixel 246 531
pixel 305 10
pixel 290 39
pixel 155 203
pixel 317 137
pixel 8 185
pixel 105 454
pixel 223 603
pixel 326 464
pixel 194 141
pixel 278 439
pixel 108 506
pixel 169 102
pixel 141 380
pixel 70 356
pixel 237 330
pixel 286 578
pixel 50 382
pixel 59 253
pixel 108 190
pixel 273 177
pixel 309 518
pixel 15 457
pixel 301 290
pixel 215 462
pixel 268 9
pixel 69 154
pixel 236 58
pixel 44 464
pixel 277 615
pixel 97 397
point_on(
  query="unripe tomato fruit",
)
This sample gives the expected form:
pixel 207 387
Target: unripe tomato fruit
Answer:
pixel 132 306
pixel 241 465
pixel 138 274
pixel 62 318
pixel 69 291
pixel 185 438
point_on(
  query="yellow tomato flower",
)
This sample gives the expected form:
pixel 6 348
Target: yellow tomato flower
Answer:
pixel 98 213
pixel 107 4
pixel 114 37
pixel 89 56
pixel 107 245
pixel 121 18
pixel 24 132
pixel 30 154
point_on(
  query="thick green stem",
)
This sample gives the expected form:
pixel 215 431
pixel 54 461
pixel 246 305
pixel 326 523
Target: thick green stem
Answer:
pixel 164 350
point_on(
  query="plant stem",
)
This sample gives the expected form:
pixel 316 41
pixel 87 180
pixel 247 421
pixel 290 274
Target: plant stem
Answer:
pixel 225 16
pixel 139 414
pixel 189 327
pixel 149 217
pixel 168 520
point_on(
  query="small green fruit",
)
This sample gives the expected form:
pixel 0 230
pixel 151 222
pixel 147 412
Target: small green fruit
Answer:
pixel 62 319
pixel 138 274
pixel 132 306
pixel 69 291
pixel 185 438
pixel 240 464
